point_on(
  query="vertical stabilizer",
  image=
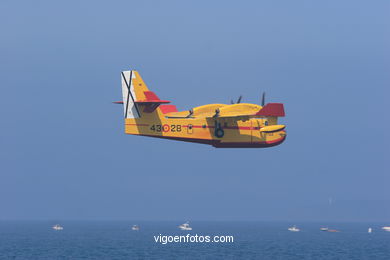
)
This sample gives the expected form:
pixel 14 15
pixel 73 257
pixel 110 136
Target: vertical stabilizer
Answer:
pixel 130 108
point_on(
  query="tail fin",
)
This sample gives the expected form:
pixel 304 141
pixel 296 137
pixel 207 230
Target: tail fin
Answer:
pixel 136 96
pixel 128 94
pixel 133 89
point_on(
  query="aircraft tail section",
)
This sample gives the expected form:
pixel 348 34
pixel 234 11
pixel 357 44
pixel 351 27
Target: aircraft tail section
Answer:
pixel 137 98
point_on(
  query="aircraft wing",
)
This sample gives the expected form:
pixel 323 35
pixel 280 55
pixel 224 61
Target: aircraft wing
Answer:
pixel 271 109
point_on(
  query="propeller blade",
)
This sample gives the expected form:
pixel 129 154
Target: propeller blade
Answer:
pixel 216 113
pixel 239 99
pixel 263 99
pixel 190 113
pixel 231 101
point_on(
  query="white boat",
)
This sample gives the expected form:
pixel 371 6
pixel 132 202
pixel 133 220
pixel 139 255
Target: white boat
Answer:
pixel 369 230
pixel 185 226
pixel 324 229
pixel 386 229
pixel 294 229
pixel 57 227
pixel 135 227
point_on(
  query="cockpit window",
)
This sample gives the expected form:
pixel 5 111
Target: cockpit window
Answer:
pixel 265 122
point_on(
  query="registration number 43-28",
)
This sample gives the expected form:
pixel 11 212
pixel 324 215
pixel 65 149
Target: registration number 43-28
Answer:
pixel 166 128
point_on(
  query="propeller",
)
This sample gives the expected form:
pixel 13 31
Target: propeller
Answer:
pixel 238 100
pixel 263 99
pixel 191 112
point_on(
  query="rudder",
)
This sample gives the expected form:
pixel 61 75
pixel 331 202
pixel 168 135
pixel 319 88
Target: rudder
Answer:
pixel 133 89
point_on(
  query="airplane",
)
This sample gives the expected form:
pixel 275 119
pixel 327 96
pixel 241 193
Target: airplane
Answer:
pixel 235 125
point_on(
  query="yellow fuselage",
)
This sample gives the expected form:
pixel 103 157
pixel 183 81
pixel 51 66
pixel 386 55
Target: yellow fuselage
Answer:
pixel 220 125
pixel 241 133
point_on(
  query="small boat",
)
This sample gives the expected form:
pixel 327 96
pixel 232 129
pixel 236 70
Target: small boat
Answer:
pixel 294 229
pixel 185 226
pixel 369 230
pixel 326 229
pixel 57 227
pixel 135 227
pixel 386 229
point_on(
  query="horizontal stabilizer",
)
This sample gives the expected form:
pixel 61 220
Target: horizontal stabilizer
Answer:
pixel 150 97
pixel 151 101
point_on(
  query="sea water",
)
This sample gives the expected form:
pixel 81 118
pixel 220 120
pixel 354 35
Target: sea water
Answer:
pixel 252 240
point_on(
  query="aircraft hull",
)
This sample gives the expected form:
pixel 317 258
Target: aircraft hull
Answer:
pixel 242 134
pixel 219 144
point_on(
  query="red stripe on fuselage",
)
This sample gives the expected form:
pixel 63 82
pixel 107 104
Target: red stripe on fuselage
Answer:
pixel 227 127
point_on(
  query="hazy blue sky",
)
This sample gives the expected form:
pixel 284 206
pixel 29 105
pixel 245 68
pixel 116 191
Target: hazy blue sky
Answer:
pixel 63 153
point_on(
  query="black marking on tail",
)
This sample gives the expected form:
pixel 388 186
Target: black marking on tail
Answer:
pixel 130 94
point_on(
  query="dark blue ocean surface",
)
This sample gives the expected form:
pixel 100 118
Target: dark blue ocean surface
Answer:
pixel 252 240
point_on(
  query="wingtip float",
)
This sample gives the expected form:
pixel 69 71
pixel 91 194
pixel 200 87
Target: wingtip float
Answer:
pixel 237 125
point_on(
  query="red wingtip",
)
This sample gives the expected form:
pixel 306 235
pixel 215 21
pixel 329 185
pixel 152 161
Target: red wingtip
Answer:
pixel 272 109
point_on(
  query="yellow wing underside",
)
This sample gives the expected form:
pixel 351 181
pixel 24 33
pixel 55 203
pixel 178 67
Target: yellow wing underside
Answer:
pixel 207 111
